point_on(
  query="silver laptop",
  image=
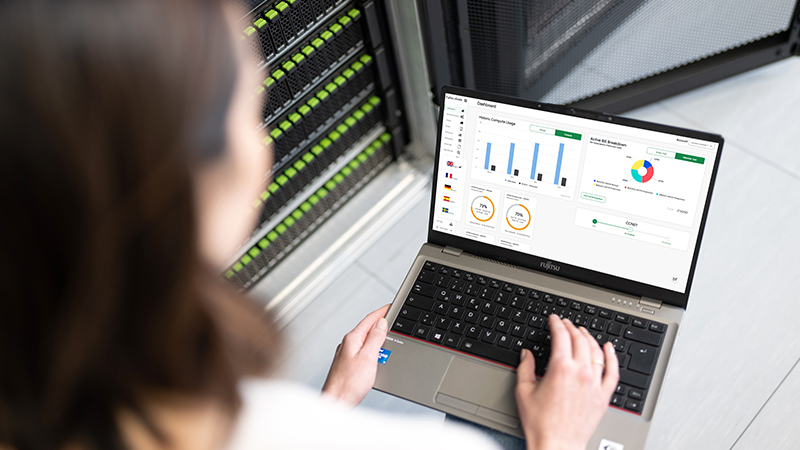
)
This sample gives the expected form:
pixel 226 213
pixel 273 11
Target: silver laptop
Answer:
pixel 539 209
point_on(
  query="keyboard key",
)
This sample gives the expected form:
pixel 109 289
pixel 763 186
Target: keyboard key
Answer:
pixel 537 321
pixel 472 317
pixel 442 281
pixel 577 306
pixel 590 309
pixel 457 312
pixel 619 344
pixel 636 394
pixel 481 280
pixel 615 329
pixel 520 316
pixel 487 321
pixel 598 324
pixel 459 299
pixel 404 326
pixel 438 337
pixel 605 314
pixel 624 318
pixel 474 303
pixel 534 294
pixel 491 352
pixel 426 276
pixel 582 320
pixel 548 298
pixel 518 330
pixel 504 341
pixel 444 270
pixel 657 327
pixel 562 302
pixel 521 291
pixel 508 287
pixel 442 308
pixel 643 336
pixel 428 319
pixel 422 332
pixel 622 358
pixel 601 338
pixel 494 284
pixel 457 285
pixel 639 323
pixel 502 297
pixel 535 336
pixel 423 303
pixel 452 341
pixel 489 308
pixel 503 326
pixel 487 293
pixel 517 302
pixel 443 295
pixel 424 289
pixel 643 358
pixel 621 390
pixel 618 401
pixel 633 379
pixel 469 277
pixel 633 405
pixel 504 312
pixel 519 344
pixel 410 313
pixel 455 273
pixel 430 266
pixel 443 323
pixel 458 328
pixel 473 332
pixel 489 336
pixel 472 289
pixel 533 307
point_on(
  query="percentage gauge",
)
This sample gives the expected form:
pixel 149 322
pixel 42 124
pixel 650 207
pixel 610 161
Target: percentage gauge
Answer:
pixel 482 208
pixel 518 217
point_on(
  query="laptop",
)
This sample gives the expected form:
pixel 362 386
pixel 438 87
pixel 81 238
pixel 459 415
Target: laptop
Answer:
pixel 540 209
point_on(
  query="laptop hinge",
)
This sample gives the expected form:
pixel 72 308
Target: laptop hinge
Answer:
pixel 452 251
pixel 650 303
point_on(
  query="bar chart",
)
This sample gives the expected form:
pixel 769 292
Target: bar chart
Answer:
pixel 545 163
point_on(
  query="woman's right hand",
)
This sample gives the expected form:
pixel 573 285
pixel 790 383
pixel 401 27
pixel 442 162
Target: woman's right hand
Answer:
pixel 562 410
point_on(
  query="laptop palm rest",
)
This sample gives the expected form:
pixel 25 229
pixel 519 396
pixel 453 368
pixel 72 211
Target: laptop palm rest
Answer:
pixel 480 390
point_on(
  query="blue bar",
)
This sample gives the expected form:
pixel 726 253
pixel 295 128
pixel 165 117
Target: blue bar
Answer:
pixel 488 152
pixel 510 158
pixel 535 157
pixel 558 164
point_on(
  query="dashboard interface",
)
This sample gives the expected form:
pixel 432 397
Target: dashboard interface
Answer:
pixel 606 197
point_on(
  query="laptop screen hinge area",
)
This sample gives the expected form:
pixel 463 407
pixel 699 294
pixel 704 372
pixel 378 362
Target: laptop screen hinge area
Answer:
pixel 452 251
pixel 650 303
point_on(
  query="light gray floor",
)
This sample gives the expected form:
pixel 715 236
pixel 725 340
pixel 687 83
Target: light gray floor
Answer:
pixel 734 381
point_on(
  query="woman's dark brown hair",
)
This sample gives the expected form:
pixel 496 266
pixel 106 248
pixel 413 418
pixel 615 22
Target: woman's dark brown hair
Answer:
pixel 107 107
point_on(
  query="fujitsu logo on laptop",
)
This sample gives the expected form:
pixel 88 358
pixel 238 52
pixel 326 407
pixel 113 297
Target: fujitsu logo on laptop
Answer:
pixel 549 266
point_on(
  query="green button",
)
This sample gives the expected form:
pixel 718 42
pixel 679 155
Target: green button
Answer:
pixel 280 228
pixel 322 192
pixel 298 58
pixel 307 50
pixel 361 157
pixel 346 171
pixel 238 267
pixel 369 150
pixel 254 252
pixel 316 150
pixel 246 259
pixel 229 274
pixel 366 107
pixel 297 214
pixel 313 199
pixel 354 164
pixel 294 117
pixel 249 31
pixel 386 137
pixel 690 158
pixel 273 187
pixel 334 136
pixel 267 140
pixel 275 133
pixel 357 66
pixel 305 206
pixel 290 172
pixel 338 178
pixel 349 73
pixel 344 20
pixel 271 14
pixel 358 114
pixel 340 80
pixel 336 28
pixel 278 74
pixel 375 101
pixel 299 165
pixel 272 235
pixel 317 42
pixel 308 157
pixel 263 243
pixel 330 87
pixel 304 110
pixel 260 22
pixel 264 195
pixel 322 95
pixel 354 13
pixel 288 66
pixel 325 143
pixel 289 221
pixel 269 82
pixel 568 135
pixel 366 59
pixel 282 179
pixel 593 197
pixel 330 184
pixel 285 125
pixel 350 121
pixel 313 101
pixel 327 35
pixel 281 6
pixel 342 128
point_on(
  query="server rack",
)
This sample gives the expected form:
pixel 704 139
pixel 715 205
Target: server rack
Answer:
pixel 332 111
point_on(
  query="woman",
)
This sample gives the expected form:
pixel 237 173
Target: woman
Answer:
pixel 126 165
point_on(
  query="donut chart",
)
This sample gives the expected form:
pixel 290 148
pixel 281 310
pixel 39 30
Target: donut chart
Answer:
pixel 642 163
pixel 482 208
pixel 518 216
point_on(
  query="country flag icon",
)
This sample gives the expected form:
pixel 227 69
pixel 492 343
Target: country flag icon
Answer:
pixel 447 187
pixel 448 175
pixel 446 210
pixel 449 163
pixel 446 198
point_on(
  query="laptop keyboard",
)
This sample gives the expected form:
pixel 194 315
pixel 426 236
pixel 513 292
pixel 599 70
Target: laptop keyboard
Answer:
pixel 494 320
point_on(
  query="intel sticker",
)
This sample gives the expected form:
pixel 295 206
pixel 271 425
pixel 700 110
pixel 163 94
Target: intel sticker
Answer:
pixel 383 355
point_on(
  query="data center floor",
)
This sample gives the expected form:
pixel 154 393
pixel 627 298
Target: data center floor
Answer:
pixel 733 381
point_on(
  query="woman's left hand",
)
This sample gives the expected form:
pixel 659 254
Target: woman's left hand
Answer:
pixel 354 367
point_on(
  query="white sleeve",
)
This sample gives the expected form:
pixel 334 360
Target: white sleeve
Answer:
pixel 281 416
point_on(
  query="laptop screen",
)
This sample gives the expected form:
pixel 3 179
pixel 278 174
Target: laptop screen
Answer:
pixel 621 200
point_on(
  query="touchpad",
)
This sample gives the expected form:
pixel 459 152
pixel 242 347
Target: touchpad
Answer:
pixel 480 390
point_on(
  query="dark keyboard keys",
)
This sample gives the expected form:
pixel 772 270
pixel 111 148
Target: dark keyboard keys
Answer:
pixel 452 341
pixel 428 319
pixel 473 332
pixel 605 314
pixel 618 401
pixel 423 303
pixel 422 331
pixel 491 352
pixel 643 358
pixel 639 323
pixel 636 394
pixel 615 329
pixel 438 337
pixel 657 327
pixel 643 336
pixel 424 289
pixel 621 390
pixel 410 313
pixel 426 276
pixel 623 318
pixel 404 326
pixel 633 379
pixel 633 405
pixel 504 341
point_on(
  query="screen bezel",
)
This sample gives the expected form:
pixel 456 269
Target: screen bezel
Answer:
pixel 576 273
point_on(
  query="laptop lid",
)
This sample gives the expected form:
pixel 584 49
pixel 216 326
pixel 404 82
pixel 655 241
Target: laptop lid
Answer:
pixel 605 200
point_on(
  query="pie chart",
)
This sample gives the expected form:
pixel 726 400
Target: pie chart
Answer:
pixel 637 174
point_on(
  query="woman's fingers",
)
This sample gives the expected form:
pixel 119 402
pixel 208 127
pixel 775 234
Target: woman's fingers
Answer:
pixel 611 377
pixel 562 343
pixel 354 340
pixel 596 353
pixel 580 349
